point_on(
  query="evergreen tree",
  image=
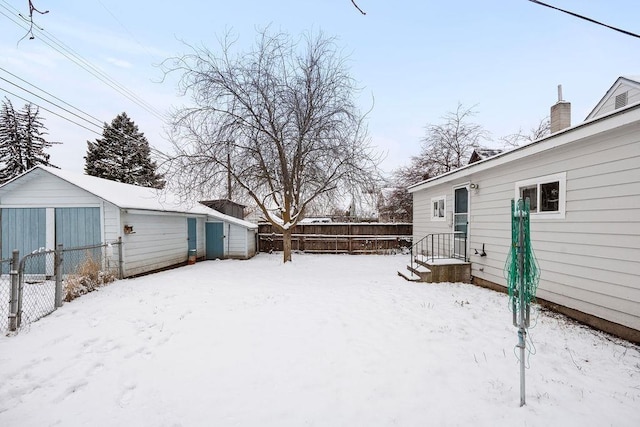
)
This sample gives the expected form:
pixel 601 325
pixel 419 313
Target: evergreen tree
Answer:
pixel 22 142
pixel 122 154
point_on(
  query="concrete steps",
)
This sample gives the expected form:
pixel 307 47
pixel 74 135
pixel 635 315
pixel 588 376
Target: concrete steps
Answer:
pixel 418 273
pixel 438 270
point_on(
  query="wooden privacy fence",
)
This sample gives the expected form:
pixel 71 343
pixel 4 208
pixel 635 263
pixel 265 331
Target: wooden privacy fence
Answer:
pixel 351 238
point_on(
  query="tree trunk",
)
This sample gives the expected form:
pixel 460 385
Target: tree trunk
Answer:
pixel 286 244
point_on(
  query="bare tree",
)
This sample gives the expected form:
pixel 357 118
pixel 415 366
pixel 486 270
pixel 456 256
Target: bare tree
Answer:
pixel 445 146
pixel 448 145
pixel 280 119
pixel 519 138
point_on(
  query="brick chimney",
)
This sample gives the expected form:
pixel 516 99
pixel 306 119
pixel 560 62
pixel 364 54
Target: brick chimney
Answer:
pixel 560 113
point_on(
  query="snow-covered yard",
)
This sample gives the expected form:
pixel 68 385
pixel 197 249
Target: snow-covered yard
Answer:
pixel 323 341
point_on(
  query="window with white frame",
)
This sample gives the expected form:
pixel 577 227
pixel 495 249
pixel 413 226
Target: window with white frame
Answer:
pixel 546 195
pixel 438 208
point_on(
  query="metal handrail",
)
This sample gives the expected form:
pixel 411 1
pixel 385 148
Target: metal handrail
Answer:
pixel 442 244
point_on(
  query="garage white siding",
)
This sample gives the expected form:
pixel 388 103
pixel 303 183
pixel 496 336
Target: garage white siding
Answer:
pixel 235 241
pixel 44 189
pixel 157 241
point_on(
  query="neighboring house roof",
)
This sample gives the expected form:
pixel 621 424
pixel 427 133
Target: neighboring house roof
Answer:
pixel 606 122
pixel 623 82
pixel 127 196
pixel 483 153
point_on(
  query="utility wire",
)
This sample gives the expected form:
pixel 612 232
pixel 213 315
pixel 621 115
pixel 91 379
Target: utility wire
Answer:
pixel 629 33
pixel 115 18
pixel 50 111
pixel 157 152
pixel 98 123
pixel 76 58
pixel 52 103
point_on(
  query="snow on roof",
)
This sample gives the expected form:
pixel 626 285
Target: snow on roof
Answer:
pixel 127 196
pixel 484 153
pixel 635 78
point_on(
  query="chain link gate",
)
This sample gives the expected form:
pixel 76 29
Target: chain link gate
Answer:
pixel 39 292
pixel 36 285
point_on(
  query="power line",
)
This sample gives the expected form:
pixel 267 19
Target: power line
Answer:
pixel 115 18
pixel 76 58
pixel 629 33
pixel 50 102
pixel 157 152
pixel 50 111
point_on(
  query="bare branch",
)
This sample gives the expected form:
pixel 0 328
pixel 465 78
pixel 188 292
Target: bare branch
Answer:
pixel 358 7
pixel 32 9
pixel 519 138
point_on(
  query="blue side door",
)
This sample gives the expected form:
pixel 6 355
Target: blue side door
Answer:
pixel 215 240
pixel 191 234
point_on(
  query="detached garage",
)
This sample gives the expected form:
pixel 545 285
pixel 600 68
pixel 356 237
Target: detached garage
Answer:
pixel 45 207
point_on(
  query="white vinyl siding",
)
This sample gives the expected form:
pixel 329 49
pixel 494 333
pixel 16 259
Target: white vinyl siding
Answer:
pixel 111 221
pixel 422 211
pixel 158 241
pixel 235 245
pixel 251 243
pixel 50 191
pixel 589 258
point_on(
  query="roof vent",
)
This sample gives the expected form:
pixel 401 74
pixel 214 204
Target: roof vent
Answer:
pixel 622 99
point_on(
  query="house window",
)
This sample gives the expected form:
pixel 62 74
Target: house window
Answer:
pixel 438 208
pixel 546 195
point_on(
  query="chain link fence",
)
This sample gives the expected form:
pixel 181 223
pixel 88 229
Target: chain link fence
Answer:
pixel 40 281
pixel 5 293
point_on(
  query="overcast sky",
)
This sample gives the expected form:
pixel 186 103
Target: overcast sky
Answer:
pixel 417 59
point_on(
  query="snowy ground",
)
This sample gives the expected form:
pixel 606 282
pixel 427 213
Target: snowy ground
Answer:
pixel 323 341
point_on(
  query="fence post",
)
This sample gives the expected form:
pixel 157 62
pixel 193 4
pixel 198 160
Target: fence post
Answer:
pixel 58 258
pixel 15 282
pixel 120 261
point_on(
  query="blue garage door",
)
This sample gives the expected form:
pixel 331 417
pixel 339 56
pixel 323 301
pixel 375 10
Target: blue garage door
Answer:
pixel 77 227
pixel 23 229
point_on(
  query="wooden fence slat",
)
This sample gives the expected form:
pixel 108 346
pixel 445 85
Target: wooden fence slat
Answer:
pixel 352 238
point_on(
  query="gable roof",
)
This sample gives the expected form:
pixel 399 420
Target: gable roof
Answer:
pixel 127 196
pixel 632 82
pixel 615 119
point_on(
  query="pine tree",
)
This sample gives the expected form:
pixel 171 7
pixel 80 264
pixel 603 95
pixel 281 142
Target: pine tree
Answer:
pixel 122 154
pixel 22 143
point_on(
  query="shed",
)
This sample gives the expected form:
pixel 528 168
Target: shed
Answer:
pixel 45 207
pixel 584 183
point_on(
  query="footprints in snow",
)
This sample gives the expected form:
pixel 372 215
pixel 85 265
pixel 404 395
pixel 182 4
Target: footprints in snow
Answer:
pixel 73 388
pixel 127 394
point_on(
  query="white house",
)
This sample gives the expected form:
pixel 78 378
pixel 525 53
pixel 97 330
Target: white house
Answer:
pixel 584 183
pixel 45 207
